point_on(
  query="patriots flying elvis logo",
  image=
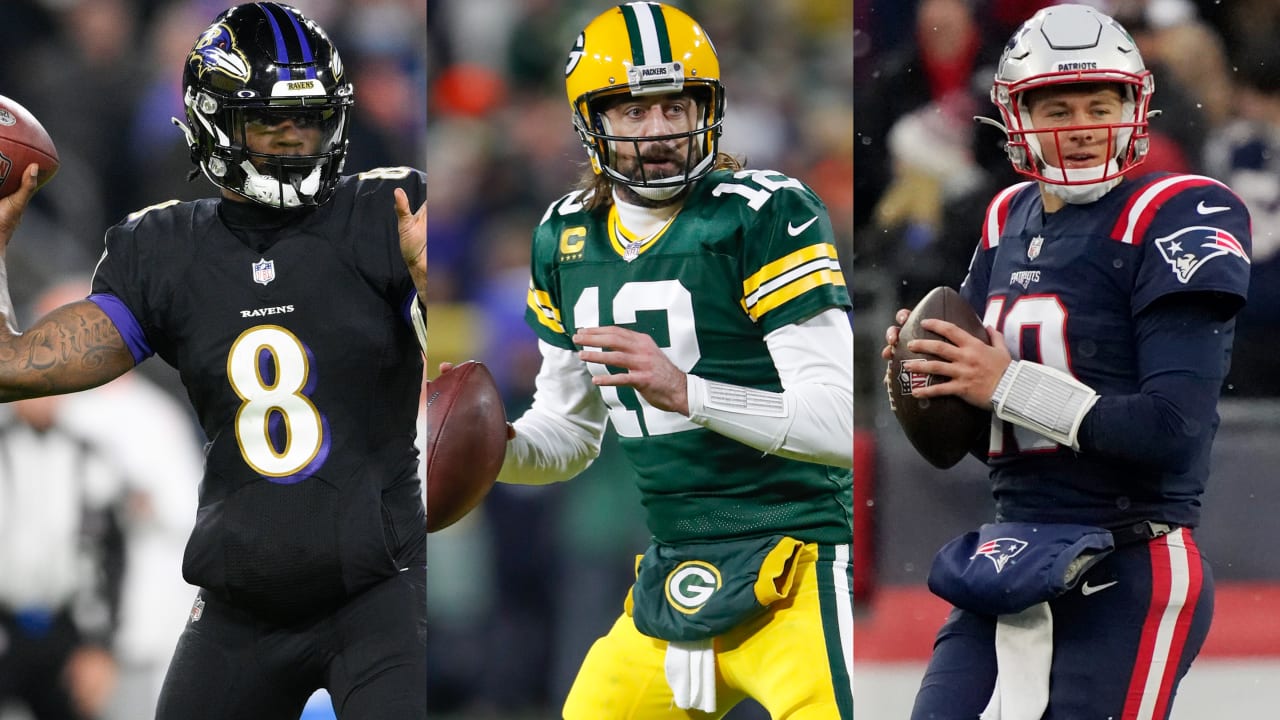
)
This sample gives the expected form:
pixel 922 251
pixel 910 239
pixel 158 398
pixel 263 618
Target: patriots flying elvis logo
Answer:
pixel 1000 550
pixel 1190 248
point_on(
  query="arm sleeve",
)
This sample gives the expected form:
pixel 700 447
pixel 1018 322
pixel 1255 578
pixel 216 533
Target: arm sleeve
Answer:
pixel 814 418
pixel 559 436
pixel 1183 346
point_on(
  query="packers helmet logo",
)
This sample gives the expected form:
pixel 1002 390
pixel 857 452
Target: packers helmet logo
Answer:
pixel 691 585
pixel 575 54
pixel 216 51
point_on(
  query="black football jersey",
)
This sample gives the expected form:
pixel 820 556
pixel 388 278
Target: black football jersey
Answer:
pixel 297 354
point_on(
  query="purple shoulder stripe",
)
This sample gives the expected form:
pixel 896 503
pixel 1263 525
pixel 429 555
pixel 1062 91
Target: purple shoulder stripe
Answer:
pixel 408 305
pixel 126 324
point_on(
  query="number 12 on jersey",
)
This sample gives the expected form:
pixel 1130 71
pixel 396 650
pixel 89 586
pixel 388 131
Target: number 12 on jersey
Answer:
pixel 631 414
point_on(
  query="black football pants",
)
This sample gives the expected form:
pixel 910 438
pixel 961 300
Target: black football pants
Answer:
pixel 370 654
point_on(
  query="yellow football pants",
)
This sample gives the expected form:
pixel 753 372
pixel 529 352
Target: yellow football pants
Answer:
pixel 796 660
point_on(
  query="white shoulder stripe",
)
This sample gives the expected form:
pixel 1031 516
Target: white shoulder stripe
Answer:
pixel 992 234
pixel 1149 195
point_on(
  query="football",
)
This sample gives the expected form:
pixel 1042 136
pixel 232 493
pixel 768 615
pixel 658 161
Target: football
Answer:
pixel 23 141
pixel 466 441
pixel 942 430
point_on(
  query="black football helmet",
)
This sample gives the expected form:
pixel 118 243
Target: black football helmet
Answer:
pixel 265 63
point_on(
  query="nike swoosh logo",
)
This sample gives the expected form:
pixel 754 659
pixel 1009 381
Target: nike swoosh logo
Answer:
pixel 1210 209
pixel 792 230
pixel 1087 589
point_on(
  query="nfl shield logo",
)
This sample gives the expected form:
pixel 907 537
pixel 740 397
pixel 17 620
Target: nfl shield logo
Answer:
pixel 1033 248
pixel 264 271
pixel 197 609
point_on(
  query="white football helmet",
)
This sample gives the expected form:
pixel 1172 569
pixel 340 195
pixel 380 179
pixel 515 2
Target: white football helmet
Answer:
pixel 1072 44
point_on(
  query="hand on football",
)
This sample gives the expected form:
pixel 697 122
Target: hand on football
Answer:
pixel 974 367
pixel 649 370
pixel 11 206
pixel 445 367
pixel 891 343
pixel 413 240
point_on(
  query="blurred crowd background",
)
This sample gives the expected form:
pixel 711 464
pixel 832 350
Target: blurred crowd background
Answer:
pixel 520 589
pixel 104 78
pixel 926 171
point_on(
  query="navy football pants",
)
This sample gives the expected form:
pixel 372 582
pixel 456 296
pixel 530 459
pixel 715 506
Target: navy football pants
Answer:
pixel 370 654
pixel 1118 652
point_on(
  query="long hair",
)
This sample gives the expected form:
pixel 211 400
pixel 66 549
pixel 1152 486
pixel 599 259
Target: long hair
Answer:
pixel 600 186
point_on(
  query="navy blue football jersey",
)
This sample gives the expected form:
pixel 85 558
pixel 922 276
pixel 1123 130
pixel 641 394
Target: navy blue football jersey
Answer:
pixel 1066 288
pixel 297 354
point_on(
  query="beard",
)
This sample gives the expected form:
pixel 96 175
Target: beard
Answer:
pixel 670 161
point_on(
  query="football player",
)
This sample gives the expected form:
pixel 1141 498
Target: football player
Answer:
pixel 289 306
pixel 699 308
pixel 1108 296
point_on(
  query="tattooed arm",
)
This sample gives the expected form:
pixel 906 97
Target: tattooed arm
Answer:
pixel 72 348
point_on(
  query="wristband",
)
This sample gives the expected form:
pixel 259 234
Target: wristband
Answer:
pixel 1044 400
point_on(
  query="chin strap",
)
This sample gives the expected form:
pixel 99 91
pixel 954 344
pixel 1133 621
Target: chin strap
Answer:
pixel 267 189
pixel 1082 193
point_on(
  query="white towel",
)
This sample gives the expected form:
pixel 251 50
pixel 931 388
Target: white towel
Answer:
pixel 1024 655
pixel 691 673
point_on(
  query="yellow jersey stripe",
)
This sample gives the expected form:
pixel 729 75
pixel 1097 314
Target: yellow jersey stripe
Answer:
pixel 786 263
pixel 540 303
pixel 781 295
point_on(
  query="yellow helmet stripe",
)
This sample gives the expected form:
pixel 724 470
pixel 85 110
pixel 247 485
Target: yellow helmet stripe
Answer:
pixel 647 31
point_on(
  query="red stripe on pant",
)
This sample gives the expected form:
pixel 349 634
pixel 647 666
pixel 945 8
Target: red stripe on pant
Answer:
pixel 1173 568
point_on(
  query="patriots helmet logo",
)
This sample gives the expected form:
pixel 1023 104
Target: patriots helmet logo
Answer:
pixel 1191 248
pixel 216 51
pixel 1000 550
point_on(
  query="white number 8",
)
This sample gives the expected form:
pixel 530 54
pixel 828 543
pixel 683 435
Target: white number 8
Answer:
pixel 303 430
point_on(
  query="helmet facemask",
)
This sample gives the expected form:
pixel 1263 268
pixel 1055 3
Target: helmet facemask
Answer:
pixel 1127 139
pixel 610 152
pixel 275 179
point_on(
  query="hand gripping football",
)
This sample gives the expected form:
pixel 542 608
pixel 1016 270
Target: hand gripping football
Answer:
pixel 944 429
pixel 466 442
pixel 23 141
